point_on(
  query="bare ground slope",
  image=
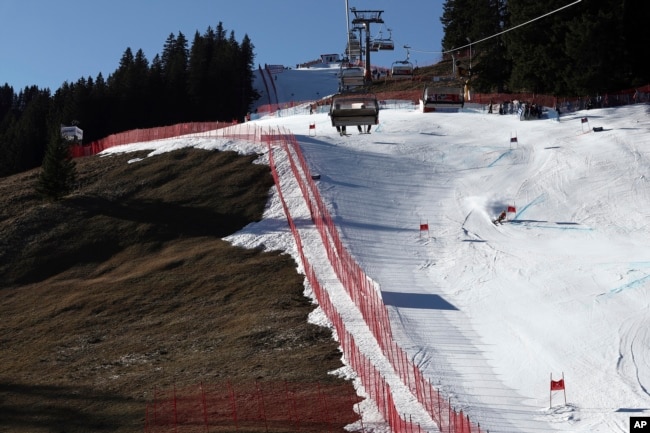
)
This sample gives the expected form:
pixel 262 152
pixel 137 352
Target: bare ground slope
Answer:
pixel 125 286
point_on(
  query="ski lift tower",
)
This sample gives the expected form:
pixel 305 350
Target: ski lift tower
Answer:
pixel 366 18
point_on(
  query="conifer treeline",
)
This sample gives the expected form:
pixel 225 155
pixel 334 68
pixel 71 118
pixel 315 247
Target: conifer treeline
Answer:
pixel 212 80
pixel 589 48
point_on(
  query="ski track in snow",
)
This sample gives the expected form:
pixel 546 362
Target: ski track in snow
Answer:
pixel 485 311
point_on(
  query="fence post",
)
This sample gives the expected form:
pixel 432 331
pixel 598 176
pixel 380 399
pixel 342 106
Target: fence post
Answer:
pixel 439 409
pixel 154 406
pixel 323 400
pixel 205 409
pixel 175 410
pixel 260 401
pixel 233 404
pixel 146 419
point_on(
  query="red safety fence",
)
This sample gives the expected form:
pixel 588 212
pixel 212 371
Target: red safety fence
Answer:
pixel 255 406
pixel 567 104
pixel 144 135
pixel 374 383
pixel 612 99
pixel 184 414
pixel 367 298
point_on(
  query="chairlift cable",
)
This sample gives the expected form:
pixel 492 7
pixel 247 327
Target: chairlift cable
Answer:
pixel 500 33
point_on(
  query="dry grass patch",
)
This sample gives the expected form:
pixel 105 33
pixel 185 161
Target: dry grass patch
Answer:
pixel 126 285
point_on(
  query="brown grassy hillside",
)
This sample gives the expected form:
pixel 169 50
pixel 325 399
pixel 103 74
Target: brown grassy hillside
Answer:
pixel 412 89
pixel 126 286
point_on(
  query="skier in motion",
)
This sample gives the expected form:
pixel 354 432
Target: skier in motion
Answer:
pixel 501 218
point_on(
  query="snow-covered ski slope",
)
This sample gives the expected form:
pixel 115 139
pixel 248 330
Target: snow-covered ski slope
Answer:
pixel 489 312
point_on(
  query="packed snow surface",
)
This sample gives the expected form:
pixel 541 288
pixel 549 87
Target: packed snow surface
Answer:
pixel 488 312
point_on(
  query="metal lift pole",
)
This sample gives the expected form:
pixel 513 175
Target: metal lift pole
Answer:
pixel 365 18
pixel 347 22
pixel 368 76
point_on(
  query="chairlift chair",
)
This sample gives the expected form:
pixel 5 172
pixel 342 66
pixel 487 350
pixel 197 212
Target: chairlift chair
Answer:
pixel 441 99
pixel 383 44
pixel 353 48
pixel 350 109
pixel 386 44
pixel 351 77
pixel 402 70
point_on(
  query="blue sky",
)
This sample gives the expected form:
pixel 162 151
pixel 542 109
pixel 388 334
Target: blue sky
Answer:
pixel 45 43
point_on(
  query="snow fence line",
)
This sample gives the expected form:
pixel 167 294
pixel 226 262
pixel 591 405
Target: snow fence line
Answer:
pixel 410 99
pixel 360 288
pixel 366 296
pixel 148 134
pixel 255 406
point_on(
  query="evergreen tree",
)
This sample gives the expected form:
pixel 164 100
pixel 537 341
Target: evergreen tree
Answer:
pixel 32 128
pixel 234 76
pixel 96 119
pixel 536 49
pixel 247 62
pixel 491 69
pixel 198 76
pixel 8 145
pixel 140 96
pixel 174 61
pixel 121 89
pixel 58 172
pixel 212 81
pixel 458 23
pixel 221 65
pixel 635 14
pixel 597 47
pixel 588 48
pixel 6 100
pixel 156 91
pixel 23 131
pixel 471 24
pixel 7 121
